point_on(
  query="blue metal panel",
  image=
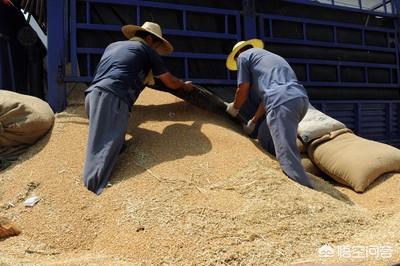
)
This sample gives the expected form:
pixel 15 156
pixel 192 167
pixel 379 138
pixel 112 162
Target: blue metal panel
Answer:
pixel 73 52
pixel 249 19
pixel 377 120
pixel 381 9
pixel 56 55
pixel 270 38
pixel 186 57
pixel 334 25
pixel 249 32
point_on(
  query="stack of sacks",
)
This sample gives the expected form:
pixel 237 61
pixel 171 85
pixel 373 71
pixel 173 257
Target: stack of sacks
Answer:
pixel 314 125
pixel 349 159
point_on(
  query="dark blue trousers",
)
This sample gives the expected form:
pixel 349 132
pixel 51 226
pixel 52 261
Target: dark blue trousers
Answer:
pixel 278 133
pixel 108 122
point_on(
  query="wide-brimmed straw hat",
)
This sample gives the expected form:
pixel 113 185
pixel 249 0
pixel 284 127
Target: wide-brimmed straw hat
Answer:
pixel 130 31
pixel 231 60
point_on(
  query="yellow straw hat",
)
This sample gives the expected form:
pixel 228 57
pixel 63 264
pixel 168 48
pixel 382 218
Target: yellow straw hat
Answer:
pixel 231 61
pixel 130 31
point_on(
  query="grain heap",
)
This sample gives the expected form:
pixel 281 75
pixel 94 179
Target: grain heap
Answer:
pixel 190 189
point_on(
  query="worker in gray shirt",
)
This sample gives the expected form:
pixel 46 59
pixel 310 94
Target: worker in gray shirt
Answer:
pixel 122 73
pixel 282 100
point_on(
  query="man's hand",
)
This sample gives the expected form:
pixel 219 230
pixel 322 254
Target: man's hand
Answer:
pixel 187 86
pixel 230 109
pixel 174 83
pixel 249 127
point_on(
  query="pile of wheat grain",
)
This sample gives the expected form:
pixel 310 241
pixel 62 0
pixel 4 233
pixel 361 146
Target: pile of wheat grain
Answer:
pixel 189 190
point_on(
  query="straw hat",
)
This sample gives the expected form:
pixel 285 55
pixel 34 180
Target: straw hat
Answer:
pixel 231 61
pixel 130 31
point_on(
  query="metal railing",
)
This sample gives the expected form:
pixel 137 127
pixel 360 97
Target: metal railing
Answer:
pixel 377 7
pixel 183 11
pixel 373 48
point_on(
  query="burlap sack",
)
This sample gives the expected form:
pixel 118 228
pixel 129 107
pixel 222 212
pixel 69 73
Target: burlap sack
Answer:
pixel 301 146
pixel 23 118
pixel 316 124
pixel 352 160
pixel 309 166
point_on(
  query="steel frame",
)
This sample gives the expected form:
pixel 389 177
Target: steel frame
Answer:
pixel 390 34
pixel 359 8
pixel 377 120
pixel 74 26
pixel 56 53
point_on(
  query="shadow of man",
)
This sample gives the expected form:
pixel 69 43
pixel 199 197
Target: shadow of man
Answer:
pixel 148 148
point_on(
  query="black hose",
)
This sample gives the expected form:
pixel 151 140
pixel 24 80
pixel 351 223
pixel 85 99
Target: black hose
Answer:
pixel 202 98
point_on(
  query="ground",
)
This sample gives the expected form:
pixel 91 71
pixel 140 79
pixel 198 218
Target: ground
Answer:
pixel 190 189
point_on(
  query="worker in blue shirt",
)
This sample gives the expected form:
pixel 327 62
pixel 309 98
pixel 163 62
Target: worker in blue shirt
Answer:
pixel 282 100
pixel 122 73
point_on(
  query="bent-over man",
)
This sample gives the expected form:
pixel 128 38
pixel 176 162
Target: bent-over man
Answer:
pixel 283 102
pixel 122 73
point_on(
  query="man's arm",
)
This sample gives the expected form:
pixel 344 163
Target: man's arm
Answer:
pixel 242 92
pixel 174 83
pixel 251 124
pixel 259 113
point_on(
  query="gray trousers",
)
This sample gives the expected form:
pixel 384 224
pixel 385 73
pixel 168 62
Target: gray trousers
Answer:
pixel 278 133
pixel 108 122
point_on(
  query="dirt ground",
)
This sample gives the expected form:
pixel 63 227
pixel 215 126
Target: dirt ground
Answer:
pixel 190 189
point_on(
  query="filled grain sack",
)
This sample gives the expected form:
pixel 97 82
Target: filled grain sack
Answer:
pixel 309 166
pixel 316 124
pixel 301 146
pixel 353 160
pixel 23 118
